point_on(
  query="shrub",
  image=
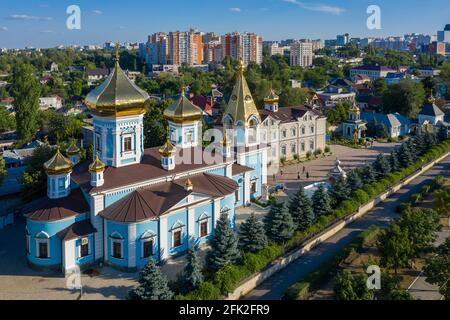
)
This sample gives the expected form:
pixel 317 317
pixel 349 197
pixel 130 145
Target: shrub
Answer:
pixel 298 291
pixel 327 149
pixel 309 155
pixel 361 197
pixel 318 152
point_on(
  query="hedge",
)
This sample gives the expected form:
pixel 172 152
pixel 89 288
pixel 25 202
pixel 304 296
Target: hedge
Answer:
pixel 226 280
pixel 301 289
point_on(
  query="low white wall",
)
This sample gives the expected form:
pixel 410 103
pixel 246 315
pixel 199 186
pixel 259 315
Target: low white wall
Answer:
pixel 251 283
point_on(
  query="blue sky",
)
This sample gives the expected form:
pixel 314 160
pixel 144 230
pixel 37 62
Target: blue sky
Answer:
pixel 42 23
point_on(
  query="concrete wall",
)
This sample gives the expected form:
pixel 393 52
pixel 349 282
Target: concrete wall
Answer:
pixel 281 263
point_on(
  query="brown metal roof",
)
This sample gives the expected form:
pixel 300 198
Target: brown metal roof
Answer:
pixel 238 169
pixel 46 209
pixel 78 229
pixel 149 168
pixel 152 202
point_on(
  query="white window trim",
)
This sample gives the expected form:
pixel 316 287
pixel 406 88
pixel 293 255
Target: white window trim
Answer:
pixel 116 237
pixel 43 237
pixel 203 218
pixel 177 226
pixel 28 241
pixel 79 248
pixel 147 237
pixel 124 136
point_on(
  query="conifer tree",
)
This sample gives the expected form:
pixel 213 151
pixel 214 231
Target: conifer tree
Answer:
pixel 252 236
pixel 321 202
pixel 381 166
pixel 354 180
pixel 279 224
pixel 368 174
pixel 420 143
pixel 224 245
pixel 430 141
pixel 393 161
pixel 192 274
pixel 412 149
pixel 343 287
pixel 153 285
pixel 404 156
pixel 339 191
pixel 442 133
pixel 300 208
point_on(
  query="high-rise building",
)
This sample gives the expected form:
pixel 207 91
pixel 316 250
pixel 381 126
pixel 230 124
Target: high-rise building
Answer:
pixel 185 47
pixel 212 52
pixel 247 46
pixel 444 35
pixel 156 50
pixel 302 54
pixel 342 40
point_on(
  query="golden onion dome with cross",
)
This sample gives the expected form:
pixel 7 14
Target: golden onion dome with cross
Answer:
pixel 183 111
pixel 73 149
pixel 117 95
pixel 97 166
pixel 272 97
pixel 58 164
pixel 168 149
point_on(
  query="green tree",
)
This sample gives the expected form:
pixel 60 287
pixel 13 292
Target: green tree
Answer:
pixel 321 202
pixel 7 120
pixel 301 210
pixel 26 93
pixel 279 224
pixel 437 269
pixel 422 226
pixel 224 245
pixel 442 133
pixel 406 98
pixel 395 247
pixel 153 285
pixel 252 236
pixel 34 178
pixel 2 170
pixel 343 287
pixel 192 274
pixel 293 97
pixel 354 180
pixel 404 156
pixel 339 191
pixel 381 166
pixel 393 161
pixel 368 174
pixel 155 131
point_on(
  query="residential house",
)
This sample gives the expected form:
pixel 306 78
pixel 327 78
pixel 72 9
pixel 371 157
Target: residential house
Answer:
pixel 373 72
pixel 55 102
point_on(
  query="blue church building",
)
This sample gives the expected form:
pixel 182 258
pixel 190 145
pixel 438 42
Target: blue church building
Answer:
pixel 131 204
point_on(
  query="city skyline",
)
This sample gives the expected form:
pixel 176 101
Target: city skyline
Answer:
pixel 43 23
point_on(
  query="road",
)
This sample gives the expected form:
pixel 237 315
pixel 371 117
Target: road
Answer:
pixel 274 287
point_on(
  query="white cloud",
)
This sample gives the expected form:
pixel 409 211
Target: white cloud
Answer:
pixel 97 12
pixel 3 29
pixel 27 17
pixel 237 10
pixel 317 7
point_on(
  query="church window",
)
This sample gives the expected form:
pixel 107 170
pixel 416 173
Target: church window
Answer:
pixel 117 245
pixel 127 144
pixel 148 242
pixel 203 229
pixel 284 133
pixel 254 186
pixel 43 246
pixel 312 129
pixel 303 131
pixel 98 143
pixel 303 146
pixel 293 148
pixel 283 150
pixel 177 238
pixel 311 145
pixel 84 247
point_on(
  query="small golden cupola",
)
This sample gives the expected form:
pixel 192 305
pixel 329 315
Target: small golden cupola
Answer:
pixel 178 115
pixel 271 102
pixel 97 169
pixel 241 109
pixel 167 153
pixel 188 186
pixel 74 153
pixel 117 95
pixel 58 170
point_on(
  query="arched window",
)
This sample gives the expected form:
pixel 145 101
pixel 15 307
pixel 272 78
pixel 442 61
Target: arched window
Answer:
pixel 303 130
pixel 177 234
pixel 284 133
pixel 293 148
pixel 312 129
pixel 147 244
pixel 283 150
pixel 293 132
pixel 42 245
pixel 203 225
pixel 116 247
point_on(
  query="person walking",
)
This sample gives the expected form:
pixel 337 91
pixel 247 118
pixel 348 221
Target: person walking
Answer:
pixel 298 176
pixel 307 175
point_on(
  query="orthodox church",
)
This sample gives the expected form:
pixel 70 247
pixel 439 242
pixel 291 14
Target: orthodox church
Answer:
pixel 132 204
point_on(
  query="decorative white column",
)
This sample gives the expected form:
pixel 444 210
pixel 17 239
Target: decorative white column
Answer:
pixel 97 205
pixel 105 240
pixel 191 226
pixel 163 245
pixel 247 186
pixel 264 166
pixel 216 211
pixel 132 246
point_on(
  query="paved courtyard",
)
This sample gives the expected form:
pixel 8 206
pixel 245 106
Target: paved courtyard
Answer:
pixel 18 281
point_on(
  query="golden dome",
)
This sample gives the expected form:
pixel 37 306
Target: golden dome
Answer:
pixel 97 166
pixel 58 164
pixel 272 97
pixel 168 149
pixel 354 108
pixel 242 107
pixel 183 111
pixel 188 183
pixel 73 149
pixel 117 95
